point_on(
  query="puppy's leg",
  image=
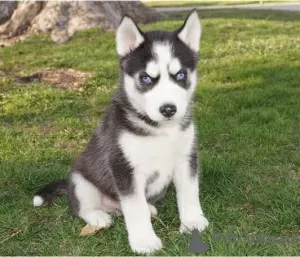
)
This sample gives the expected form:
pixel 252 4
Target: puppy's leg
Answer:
pixel 153 210
pixel 87 200
pixel 186 183
pixel 136 211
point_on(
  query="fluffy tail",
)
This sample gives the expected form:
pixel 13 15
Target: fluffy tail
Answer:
pixel 49 191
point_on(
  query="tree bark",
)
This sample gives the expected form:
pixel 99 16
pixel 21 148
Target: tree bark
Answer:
pixel 21 19
pixel 6 10
pixel 63 18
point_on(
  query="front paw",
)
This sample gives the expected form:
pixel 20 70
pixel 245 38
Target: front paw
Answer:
pixel 145 243
pixel 199 223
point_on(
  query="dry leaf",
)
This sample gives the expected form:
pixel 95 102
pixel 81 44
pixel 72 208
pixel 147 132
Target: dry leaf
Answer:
pixel 89 230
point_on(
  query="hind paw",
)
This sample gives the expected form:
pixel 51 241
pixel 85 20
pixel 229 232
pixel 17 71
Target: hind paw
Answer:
pixel 97 218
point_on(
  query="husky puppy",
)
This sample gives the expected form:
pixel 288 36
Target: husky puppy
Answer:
pixel 145 141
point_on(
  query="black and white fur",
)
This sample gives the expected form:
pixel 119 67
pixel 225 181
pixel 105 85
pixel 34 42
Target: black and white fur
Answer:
pixel 137 151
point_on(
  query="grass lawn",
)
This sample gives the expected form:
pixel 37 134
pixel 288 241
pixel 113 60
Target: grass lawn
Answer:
pixel 247 111
pixel 206 2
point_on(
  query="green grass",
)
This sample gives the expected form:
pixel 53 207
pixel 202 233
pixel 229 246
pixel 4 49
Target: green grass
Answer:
pixel 206 2
pixel 247 112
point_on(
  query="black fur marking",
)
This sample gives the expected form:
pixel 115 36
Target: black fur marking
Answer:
pixel 123 108
pixel 142 87
pixel 187 119
pixel 187 57
pixel 123 172
pixel 152 178
pixel 147 120
pixel 92 165
pixel 128 125
pixel 134 129
pixel 74 204
pixel 185 83
pixel 193 161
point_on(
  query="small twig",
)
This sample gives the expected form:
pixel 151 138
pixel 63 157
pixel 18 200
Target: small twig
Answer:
pixel 62 213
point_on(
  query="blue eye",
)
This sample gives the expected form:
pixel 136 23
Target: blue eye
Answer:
pixel 180 76
pixel 146 80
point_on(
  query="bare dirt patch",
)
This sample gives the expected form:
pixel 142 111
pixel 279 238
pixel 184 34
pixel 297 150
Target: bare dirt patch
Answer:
pixel 59 78
pixel 293 174
pixel 47 128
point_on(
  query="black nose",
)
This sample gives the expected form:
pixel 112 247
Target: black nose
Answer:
pixel 168 110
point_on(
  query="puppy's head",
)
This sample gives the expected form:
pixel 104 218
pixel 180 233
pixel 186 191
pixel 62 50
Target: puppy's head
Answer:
pixel 159 67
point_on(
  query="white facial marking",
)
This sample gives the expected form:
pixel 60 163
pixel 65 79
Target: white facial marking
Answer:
pixel 166 91
pixel 174 66
pixel 163 53
pixel 152 69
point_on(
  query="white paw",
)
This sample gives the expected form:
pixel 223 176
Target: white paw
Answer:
pixel 199 223
pixel 97 218
pixel 145 243
pixel 153 210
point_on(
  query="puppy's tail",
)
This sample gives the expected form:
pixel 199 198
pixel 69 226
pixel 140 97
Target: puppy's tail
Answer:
pixel 49 191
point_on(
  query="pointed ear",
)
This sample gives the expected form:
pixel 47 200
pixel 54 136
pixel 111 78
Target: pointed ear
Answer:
pixel 129 37
pixel 190 32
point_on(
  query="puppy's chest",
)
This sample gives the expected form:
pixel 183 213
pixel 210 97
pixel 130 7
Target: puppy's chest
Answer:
pixel 156 156
pixel 156 151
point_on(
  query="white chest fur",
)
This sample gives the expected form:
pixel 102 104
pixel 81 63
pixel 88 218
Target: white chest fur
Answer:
pixel 150 155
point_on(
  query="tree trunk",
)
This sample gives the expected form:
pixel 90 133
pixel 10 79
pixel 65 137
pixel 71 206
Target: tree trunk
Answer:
pixel 63 18
pixel 6 10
